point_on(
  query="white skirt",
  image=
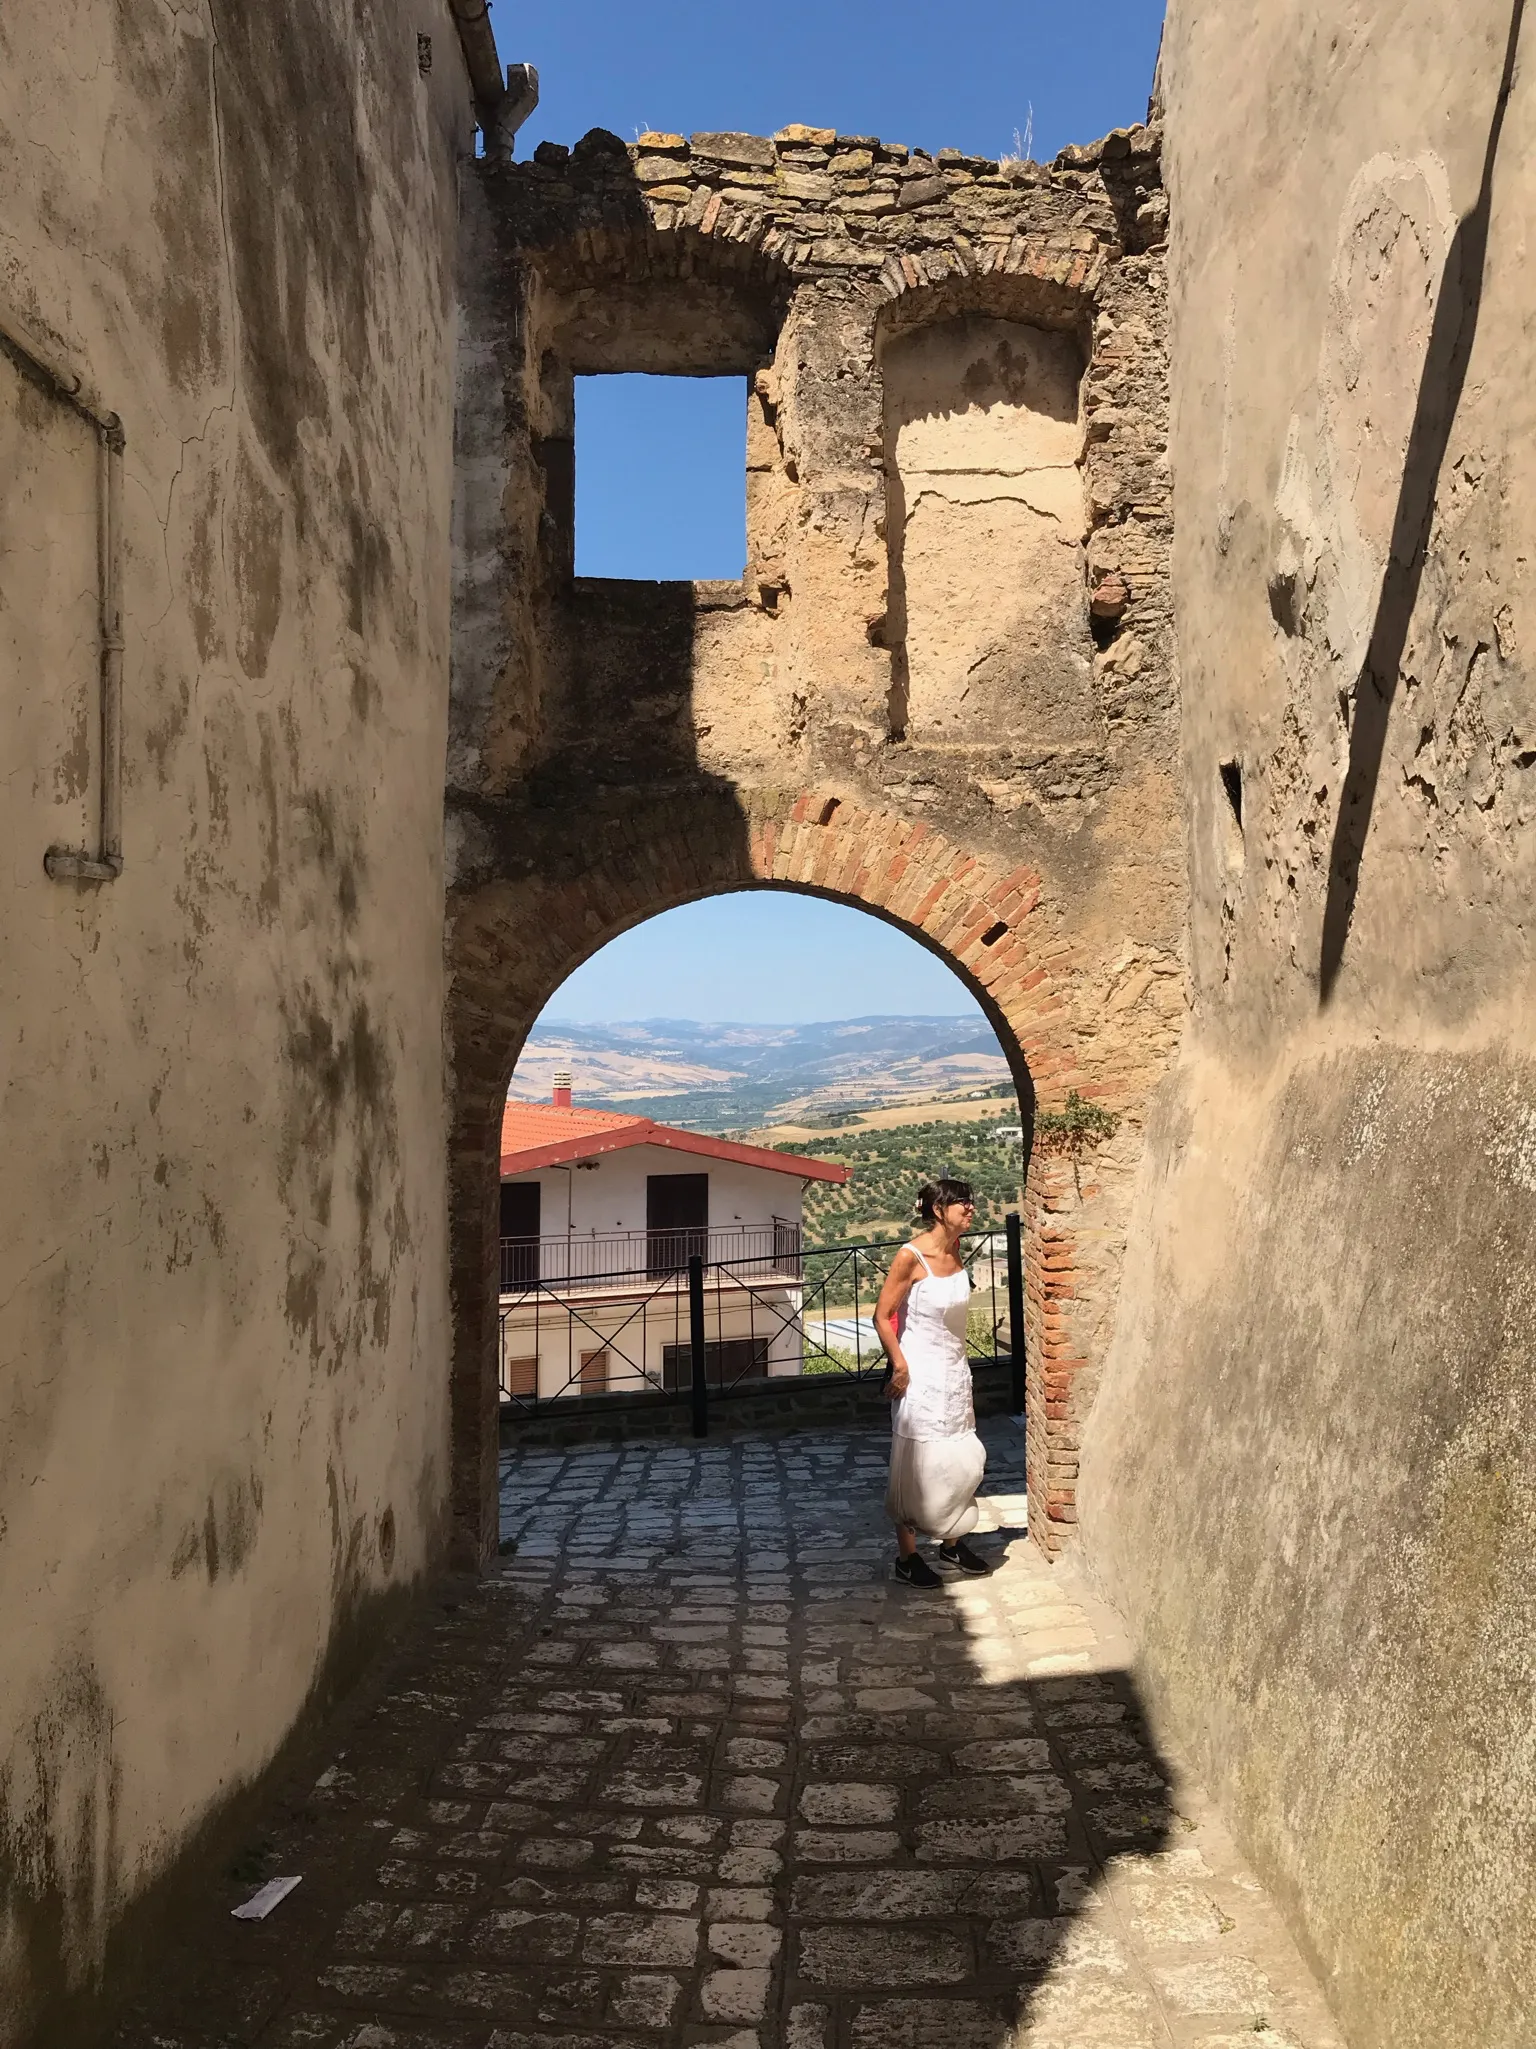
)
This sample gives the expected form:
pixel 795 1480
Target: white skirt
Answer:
pixel 933 1484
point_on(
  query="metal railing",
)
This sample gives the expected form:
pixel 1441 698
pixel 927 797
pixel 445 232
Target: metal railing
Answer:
pixel 718 1325
pixel 605 1259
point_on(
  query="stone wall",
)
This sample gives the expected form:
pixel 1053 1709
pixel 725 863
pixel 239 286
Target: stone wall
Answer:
pixel 1308 1477
pixel 223 1404
pixel 941 354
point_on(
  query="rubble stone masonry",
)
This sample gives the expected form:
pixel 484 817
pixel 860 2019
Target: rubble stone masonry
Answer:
pixel 943 688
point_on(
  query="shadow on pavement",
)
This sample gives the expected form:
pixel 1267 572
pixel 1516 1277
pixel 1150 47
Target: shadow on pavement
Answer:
pixel 703 1773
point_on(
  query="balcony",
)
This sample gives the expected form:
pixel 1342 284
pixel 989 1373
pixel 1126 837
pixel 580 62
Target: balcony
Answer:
pixel 610 1262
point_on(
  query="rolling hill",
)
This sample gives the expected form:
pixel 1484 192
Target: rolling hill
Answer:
pixel 732 1077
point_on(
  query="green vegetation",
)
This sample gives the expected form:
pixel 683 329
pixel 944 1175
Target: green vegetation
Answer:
pixel 887 1168
pixel 833 1360
pixel 986 1326
pixel 874 1206
pixel 1075 1129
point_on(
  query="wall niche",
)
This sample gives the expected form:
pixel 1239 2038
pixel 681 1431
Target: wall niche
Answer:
pixel 985 524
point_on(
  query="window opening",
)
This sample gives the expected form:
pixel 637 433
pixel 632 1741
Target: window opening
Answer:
pixel 522 1378
pixel 726 1360
pixel 661 477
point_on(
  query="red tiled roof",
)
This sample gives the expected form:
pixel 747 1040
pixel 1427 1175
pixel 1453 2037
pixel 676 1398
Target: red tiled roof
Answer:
pixel 535 1135
pixel 534 1124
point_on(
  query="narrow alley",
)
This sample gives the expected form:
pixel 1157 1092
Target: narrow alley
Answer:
pixel 692 1769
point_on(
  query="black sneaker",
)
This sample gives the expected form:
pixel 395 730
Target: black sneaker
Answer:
pixel 917 1572
pixel 962 1555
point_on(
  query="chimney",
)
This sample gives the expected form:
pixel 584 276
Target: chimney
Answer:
pixel 562 1096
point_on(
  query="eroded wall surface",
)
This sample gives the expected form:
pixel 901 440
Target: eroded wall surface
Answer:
pixel 942 689
pixel 985 524
pixel 223 1399
pixel 1309 1477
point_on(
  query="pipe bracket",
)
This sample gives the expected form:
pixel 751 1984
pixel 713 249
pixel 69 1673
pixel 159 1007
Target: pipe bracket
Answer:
pixel 68 864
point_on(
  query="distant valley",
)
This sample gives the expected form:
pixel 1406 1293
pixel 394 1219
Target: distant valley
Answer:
pixel 744 1077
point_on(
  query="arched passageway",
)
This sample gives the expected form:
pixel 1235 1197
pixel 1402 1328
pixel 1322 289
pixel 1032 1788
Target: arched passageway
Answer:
pixel 517 942
pixel 943 691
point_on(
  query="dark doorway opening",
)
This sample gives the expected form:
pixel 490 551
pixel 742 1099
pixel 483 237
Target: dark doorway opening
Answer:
pixel 676 1220
pixel 519 1234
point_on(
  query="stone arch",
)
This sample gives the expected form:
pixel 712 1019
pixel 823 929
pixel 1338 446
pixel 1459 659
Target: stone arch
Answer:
pixel 707 239
pixel 516 940
pixel 619 747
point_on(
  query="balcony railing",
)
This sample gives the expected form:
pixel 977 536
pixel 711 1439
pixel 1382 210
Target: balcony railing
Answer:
pixel 760 1308
pixel 611 1259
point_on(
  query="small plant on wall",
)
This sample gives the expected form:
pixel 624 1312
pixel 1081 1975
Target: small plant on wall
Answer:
pixel 1074 1131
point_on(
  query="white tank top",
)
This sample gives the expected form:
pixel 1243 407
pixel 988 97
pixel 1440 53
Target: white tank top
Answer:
pixel 931 1328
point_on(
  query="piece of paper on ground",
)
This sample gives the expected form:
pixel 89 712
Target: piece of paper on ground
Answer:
pixel 261 1902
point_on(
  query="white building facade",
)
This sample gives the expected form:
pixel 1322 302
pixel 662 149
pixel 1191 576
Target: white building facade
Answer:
pixel 600 1216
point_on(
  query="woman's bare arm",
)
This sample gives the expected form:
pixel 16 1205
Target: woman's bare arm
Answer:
pixel 905 1268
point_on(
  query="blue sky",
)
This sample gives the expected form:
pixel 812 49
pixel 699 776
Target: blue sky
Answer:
pixel 961 76
pixel 761 956
pixel 685 440
pixel 974 75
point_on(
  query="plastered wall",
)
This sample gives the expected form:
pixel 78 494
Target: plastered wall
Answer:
pixel 985 524
pixel 223 1420
pixel 1309 1477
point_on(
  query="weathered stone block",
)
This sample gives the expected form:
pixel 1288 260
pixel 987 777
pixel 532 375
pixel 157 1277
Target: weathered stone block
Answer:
pixel 752 151
pixel 735 1995
pixel 980 1841
pixel 846 1803
pixel 884 1957
pixel 641 1939
pixel 752 1945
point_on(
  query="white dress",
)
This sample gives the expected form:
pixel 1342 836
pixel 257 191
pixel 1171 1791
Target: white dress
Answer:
pixel 937 1459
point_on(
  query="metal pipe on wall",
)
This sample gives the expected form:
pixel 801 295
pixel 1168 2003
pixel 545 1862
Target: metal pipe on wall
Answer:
pixel 503 101
pixel 71 864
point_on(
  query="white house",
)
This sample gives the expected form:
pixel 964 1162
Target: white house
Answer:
pixel 600 1214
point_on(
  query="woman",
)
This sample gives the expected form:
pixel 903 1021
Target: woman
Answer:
pixel 937 1459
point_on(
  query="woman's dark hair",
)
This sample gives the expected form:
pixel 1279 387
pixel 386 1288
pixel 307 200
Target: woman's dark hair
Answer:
pixel 933 1195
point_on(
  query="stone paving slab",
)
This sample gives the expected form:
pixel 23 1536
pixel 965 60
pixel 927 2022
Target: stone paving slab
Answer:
pixel 694 1769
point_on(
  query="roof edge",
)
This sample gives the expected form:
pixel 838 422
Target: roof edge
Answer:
pixel 618 1138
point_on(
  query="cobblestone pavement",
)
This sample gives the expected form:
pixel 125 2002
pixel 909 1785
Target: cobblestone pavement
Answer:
pixel 694 1770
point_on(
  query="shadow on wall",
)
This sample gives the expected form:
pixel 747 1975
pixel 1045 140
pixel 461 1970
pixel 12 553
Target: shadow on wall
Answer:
pixel 584 759
pixel 1440 387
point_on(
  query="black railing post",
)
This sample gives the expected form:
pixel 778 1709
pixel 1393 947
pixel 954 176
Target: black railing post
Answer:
pixel 1016 1307
pixel 696 1344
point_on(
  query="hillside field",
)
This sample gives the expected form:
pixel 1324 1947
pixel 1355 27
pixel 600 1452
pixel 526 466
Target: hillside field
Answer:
pixel 888 1166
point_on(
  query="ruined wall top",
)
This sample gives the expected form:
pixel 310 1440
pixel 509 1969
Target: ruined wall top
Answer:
pixel 812 202
pixel 896 607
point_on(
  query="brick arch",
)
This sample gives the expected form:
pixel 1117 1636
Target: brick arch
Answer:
pixel 514 942
pixel 1051 279
pixel 617 749
pixel 707 241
